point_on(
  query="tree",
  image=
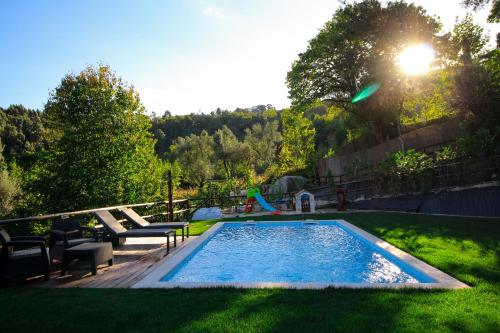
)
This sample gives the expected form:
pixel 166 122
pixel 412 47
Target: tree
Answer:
pixel 195 155
pixel 174 126
pixel 297 151
pixel 494 16
pixel 476 89
pixel 467 41
pixel 9 188
pixel 358 46
pixel 263 143
pixel 229 151
pixel 22 131
pixel 103 152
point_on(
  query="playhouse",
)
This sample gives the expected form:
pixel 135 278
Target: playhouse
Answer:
pixel 305 202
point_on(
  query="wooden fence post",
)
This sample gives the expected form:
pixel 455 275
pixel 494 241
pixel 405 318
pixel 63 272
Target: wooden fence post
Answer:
pixel 170 198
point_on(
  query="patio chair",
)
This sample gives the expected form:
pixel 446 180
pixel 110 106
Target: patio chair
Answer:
pixel 118 231
pixel 22 257
pixel 140 222
pixel 68 233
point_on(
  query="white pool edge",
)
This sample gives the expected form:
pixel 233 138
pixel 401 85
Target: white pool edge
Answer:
pixel 444 281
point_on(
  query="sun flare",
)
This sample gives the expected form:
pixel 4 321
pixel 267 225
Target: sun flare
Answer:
pixel 416 59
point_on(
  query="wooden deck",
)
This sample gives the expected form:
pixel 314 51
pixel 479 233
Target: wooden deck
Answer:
pixel 133 261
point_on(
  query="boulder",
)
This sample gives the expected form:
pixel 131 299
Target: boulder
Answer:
pixel 287 184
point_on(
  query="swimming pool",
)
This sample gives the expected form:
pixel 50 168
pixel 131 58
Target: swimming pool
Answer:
pixel 301 254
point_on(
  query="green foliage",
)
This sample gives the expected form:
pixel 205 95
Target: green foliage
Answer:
pixel 410 164
pixel 230 152
pixel 219 190
pixel 494 16
pixel 332 126
pixel 297 151
pixel 168 128
pixel 9 188
pixel 223 155
pixel 195 155
pixel 491 66
pixel 430 101
pixel 103 152
pixel 22 132
pixel 9 192
pixel 467 41
pixel 263 142
pixel 479 144
pixel 477 91
pixel 357 46
pixel 446 155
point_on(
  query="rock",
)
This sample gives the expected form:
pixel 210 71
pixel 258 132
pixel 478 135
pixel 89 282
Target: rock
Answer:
pixel 287 184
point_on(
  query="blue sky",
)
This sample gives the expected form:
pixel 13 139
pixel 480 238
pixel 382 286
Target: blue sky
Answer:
pixel 183 56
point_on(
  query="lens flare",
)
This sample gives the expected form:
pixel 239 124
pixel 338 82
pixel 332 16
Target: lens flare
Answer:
pixel 416 59
pixel 366 92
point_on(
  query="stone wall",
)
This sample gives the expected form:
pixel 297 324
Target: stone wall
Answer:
pixel 427 139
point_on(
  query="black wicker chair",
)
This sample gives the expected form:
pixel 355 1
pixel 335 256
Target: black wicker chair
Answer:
pixel 68 233
pixel 23 257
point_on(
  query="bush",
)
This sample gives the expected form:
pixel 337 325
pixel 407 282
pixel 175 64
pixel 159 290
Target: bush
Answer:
pixel 480 144
pixel 9 192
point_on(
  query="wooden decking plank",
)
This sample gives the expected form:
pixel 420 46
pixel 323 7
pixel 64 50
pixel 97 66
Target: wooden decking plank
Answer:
pixel 147 266
pixel 133 261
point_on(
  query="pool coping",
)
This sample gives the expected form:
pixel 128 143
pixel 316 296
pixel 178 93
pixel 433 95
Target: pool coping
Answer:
pixel 443 280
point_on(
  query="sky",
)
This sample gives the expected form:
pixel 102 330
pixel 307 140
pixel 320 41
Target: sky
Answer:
pixel 185 56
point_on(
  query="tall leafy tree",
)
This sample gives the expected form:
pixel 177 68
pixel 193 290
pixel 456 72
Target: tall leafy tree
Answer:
pixel 358 46
pixel 476 91
pixel 494 16
pixel 103 152
pixel 9 187
pixel 169 127
pixel 467 41
pixel 263 142
pixel 195 154
pixel 22 131
pixel 230 152
pixel 297 150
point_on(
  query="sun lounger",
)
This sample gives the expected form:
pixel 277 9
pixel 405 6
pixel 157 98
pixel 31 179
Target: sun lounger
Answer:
pixel 140 222
pixel 117 230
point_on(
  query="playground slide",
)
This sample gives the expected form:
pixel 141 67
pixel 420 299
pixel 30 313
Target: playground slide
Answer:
pixel 263 203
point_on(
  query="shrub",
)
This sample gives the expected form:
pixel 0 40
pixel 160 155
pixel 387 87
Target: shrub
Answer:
pixel 9 191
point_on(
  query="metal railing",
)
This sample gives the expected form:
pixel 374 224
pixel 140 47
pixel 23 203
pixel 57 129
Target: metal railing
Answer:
pixel 461 173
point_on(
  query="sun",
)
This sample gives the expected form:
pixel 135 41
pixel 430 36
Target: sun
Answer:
pixel 416 59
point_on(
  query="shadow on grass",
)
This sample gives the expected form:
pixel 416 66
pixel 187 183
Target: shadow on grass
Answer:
pixel 232 310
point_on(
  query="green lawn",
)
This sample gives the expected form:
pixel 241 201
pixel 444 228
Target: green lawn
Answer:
pixel 468 249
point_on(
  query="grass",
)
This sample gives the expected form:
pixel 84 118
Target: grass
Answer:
pixel 468 249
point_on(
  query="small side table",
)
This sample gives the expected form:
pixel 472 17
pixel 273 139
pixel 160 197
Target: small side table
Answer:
pixel 93 253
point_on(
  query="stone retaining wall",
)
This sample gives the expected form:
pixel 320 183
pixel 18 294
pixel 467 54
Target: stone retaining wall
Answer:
pixel 427 139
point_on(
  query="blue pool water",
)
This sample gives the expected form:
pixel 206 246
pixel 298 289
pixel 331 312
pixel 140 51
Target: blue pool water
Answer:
pixel 291 252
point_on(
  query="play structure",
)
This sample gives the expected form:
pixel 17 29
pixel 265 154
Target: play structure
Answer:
pixel 253 195
pixel 305 202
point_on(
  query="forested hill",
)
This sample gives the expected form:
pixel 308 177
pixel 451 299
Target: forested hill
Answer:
pixel 22 130
pixel 169 127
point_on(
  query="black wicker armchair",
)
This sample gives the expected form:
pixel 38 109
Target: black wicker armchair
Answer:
pixel 23 257
pixel 69 233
